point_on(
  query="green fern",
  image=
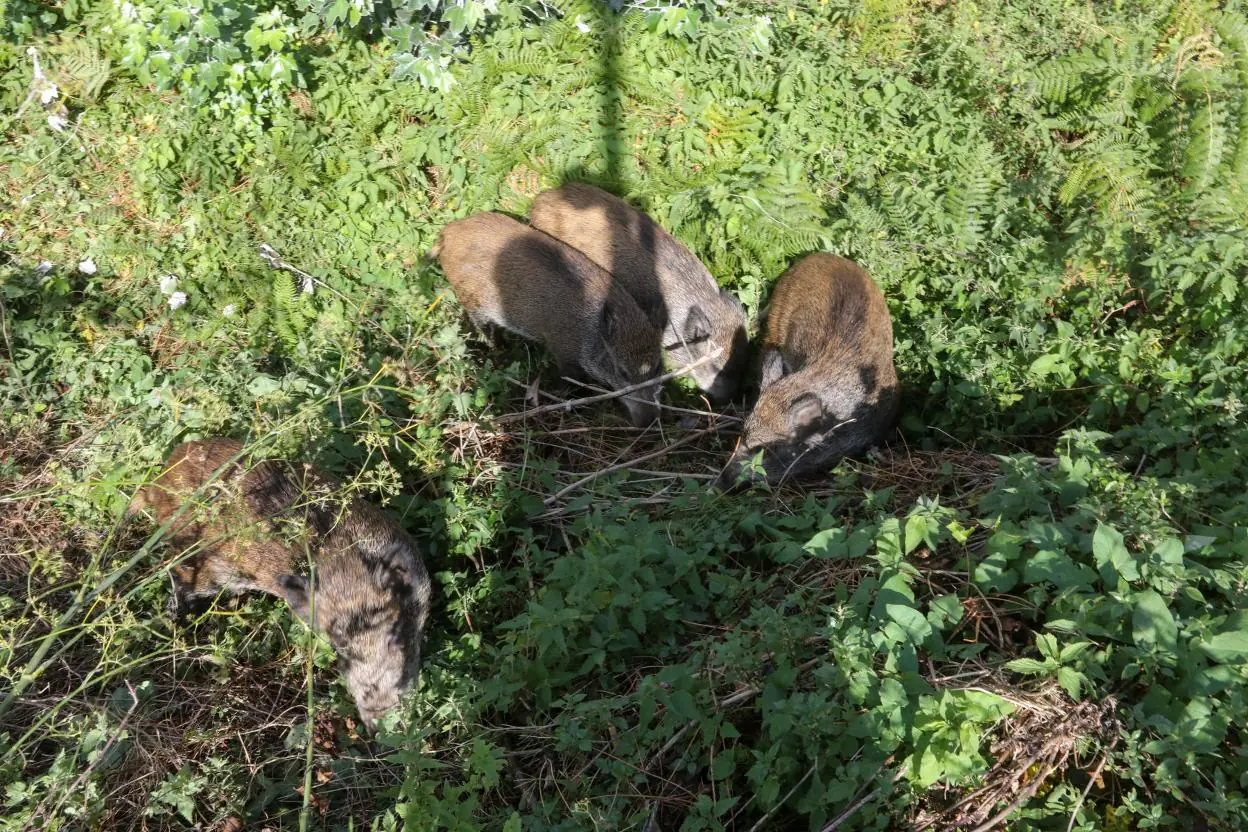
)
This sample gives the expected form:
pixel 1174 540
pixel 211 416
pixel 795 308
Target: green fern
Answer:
pixel 864 219
pixel 1150 120
pixel 1189 17
pixel 1233 30
pixel 288 318
pixel 82 69
pixel 885 27
pixel 976 176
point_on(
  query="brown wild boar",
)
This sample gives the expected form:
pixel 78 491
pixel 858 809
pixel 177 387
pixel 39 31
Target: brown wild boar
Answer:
pixel 828 387
pixel 671 285
pixel 254 525
pixel 510 275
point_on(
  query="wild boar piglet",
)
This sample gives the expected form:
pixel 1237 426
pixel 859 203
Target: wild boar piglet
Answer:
pixel 239 525
pixel 669 283
pixel 507 274
pixel 828 387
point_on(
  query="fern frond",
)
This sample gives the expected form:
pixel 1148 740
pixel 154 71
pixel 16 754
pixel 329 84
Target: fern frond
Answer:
pixel 1233 30
pixel 1057 79
pixel 977 174
pixel 1189 17
pixel 1205 145
pixel 864 218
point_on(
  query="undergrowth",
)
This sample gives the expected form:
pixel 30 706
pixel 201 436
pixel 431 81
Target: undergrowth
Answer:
pixel 1029 606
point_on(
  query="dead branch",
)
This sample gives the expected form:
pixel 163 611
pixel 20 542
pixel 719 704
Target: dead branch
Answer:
pixel 684 440
pixel 602 397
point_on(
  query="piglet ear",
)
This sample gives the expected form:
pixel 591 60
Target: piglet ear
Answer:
pixel 804 414
pixel 295 591
pixel 697 326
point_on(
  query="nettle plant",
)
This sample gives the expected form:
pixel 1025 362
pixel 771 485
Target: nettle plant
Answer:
pixel 237 58
pixel 240 58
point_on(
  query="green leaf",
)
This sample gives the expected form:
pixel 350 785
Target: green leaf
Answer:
pixel 982 706
pixel 1070 680
pixel 723 767
pixel 263 385
pixel 888 543
pixel 992 573
pixel 1152 624
pixel 1112 557
pixel 1046 365
pixel 921 528
pixel 1170 551
pixel 1226 648
pixel 1058 569
pixel 1028 666
pixel 945 610
pixel 829 543
pixel 682 704
pixel 911 620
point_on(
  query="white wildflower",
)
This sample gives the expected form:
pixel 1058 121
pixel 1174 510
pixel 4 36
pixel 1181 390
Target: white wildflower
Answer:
pixel 44 267
pixel 582 25
pixel 86 266
pixel 177 299
pixel 168 283
pixel 228 310
pixel 58 122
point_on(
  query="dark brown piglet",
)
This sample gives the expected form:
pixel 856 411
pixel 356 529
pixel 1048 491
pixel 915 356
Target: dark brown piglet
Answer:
pixel 507 274
pixel 670 284
pixel 240 525
pixel 828 387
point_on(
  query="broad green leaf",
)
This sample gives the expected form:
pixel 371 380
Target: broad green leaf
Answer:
pixel 1029 666
pixel 1112 557
pixel 1152 624
pixel 910 620
pixel 1169 551
pixel 1227 647
pixel 945 610
pixel 723 766
pixel 829 543
pixel 1058 569
pixel 921 528
pixel 682 704
pixel 1046 365
pixel 1071 682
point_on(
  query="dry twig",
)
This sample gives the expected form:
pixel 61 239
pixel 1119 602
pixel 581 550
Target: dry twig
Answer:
pixel 602 397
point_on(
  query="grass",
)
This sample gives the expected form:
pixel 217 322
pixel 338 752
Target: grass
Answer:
pixel 1027 608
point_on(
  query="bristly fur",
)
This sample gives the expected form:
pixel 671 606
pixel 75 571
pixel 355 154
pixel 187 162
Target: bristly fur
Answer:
pixel 669 283
pixel 258 526
pixel 507 274
pixel 828 387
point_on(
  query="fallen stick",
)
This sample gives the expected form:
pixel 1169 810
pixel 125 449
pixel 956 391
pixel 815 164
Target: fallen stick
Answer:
pixel 602 397
pixel 566 490
pixel 858 804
